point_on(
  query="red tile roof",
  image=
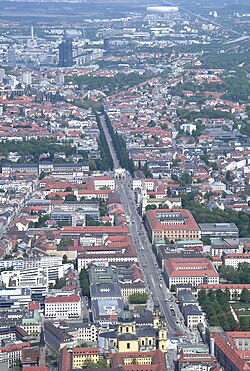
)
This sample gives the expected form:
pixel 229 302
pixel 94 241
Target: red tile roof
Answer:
pixel 63 299
pixel 230 353
pixel 35 368
pixel 157 364
pixel 189 224
pixel 223 286
pixel 14 347
pixel 237 256
pixel 186 267
pixel 34 305
pixel 87 350
pixel 93 229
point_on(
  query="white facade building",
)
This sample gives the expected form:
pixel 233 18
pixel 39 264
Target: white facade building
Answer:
pixel 104 182
pixel 235 259
pixel 63 306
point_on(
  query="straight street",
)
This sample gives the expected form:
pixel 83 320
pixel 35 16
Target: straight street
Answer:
pixel 158 292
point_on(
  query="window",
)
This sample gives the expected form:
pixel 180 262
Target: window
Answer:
pixel 128 345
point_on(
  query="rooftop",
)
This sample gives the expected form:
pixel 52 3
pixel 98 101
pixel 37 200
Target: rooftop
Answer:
pixel 194 267
pixel 171 219
pixel 62 299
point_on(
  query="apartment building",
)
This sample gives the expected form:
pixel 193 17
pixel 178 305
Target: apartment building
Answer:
pixel 195 358
pixel 11 354
pixel 82 332
pixel 193 316
pixel 83 356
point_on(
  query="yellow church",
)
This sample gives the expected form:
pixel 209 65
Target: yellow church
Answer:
pixel 131 337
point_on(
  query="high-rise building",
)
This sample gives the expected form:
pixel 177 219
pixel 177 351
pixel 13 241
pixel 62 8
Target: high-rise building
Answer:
pixel 60 79
pixel 66 54
pixel 106 45
pixel 11 56
pixel 26 78
pixel 32 33
pixel 2 74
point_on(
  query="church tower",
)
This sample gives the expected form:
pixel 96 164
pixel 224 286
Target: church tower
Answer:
pixel 42 349
pixel 162 335
pixel 127 340
pixel 156 316
pixel 159 323
pixel 126 322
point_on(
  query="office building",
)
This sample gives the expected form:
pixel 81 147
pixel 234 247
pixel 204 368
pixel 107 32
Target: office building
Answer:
pixel 190 271
pixel 11 57
pixel 235 259
pixel 66 54
pixel 195 358
pixel 174 224
pixel 219 230
pixel 63 307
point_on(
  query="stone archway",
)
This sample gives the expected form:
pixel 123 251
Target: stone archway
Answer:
pixel 120 173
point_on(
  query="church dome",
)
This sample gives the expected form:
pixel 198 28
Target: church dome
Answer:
pixel 125 315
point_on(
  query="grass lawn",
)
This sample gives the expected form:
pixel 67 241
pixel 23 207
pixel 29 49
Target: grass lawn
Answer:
pixel 245 313
pixel 239 305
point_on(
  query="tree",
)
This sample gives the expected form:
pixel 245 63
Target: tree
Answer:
pixel 185 179
pixel 217 309
pixel 84 282
pixel 202 296
pixel 56 197
pixel 70 197
pixel 173 288
pixel 229 176
pixel 103 209
pixel 166 240
pixel 65 259
pixel 203 215
pixel 140 298
pixel 7 257
pixel 232 324
pixel 214 321
pixel 244 323
pixel 151 207
pixel 90 221
pixel 244 296
pixel 59 283
pixel 227 292
pixel 42 175
pixel 66 242
pixel 105 162
pixel 68 189
pixel 224 323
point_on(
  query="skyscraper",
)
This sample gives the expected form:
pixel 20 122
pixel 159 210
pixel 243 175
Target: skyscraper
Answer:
pixel 65 54
pixel 106 45
pixel 11 57
pixel 32 33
